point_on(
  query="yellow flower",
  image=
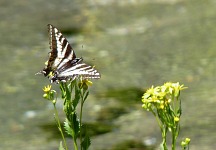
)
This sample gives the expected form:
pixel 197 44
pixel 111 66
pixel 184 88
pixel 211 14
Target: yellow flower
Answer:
pixel 167 87
pixel 176 119
pixel 47 88
pixel 167 84
pixel 169 101
pixel 161 95
pixel 183 143
pixel 53 101
pixel 88 82
pixel 150 91
pixel 48 93
pixel 51 74
pixel 161 106
pixel 85 83
pixel 187 140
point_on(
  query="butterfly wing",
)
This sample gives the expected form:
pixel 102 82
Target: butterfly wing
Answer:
pixel 78 69
pixel 61 51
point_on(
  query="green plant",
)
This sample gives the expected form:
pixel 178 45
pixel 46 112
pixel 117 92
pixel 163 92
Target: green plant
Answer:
pixel 165 104
pixel 72 93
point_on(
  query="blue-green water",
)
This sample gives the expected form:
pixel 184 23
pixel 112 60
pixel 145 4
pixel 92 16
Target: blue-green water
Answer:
pixel 133 45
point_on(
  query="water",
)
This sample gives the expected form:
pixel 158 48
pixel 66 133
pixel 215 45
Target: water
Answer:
pixel 133 45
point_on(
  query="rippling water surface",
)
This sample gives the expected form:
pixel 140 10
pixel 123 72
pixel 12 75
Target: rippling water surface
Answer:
pixel 133 44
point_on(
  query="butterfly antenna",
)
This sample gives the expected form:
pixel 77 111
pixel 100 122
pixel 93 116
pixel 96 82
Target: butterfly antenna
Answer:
pixel 82 51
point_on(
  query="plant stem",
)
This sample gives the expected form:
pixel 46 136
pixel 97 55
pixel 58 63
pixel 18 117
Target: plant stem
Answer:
pixel 164 132
pixel 59 126
pixel 71 90
pixel 75 144
pixel 174 137
pixel 81 110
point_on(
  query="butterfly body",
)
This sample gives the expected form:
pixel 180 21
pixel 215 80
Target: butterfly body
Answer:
pixel 63 65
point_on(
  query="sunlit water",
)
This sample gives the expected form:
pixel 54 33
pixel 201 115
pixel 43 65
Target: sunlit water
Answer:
pixel 133 45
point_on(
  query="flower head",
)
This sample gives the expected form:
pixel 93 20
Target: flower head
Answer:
pixel 85 83
pixel 48 93
pixel 162 99
pixel 176 119
pixel 185 142
pixel 47 88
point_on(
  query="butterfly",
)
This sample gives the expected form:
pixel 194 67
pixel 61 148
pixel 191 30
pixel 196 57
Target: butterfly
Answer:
pixel 63 65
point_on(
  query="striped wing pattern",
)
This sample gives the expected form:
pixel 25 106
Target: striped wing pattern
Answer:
pixel 79 69
pixel 62 64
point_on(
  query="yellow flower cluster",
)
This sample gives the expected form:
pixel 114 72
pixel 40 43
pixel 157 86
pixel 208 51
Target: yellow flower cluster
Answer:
pixel 161 96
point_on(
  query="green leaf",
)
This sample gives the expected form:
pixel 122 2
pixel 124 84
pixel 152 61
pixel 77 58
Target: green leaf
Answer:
pixel 68 92
pixel 86 142
pixel 72 125
pixel 61 146
pixel 68 129
pixel 77 95
pixel 62 88
pixel 76 124
pixel 86 95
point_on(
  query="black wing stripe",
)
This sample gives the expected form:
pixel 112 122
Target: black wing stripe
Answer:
pixel 65 51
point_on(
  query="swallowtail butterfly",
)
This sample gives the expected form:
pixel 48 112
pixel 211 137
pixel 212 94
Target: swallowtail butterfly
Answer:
pixel 63 64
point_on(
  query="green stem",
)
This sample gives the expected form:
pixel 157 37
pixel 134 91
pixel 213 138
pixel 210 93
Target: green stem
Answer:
pixel 164 132
pixel 59 126
pixel 75 144
pixel 71 90
pixel 81 110
pixel 175 132
pixel 158 121
pixel 173 139
pixel 163 129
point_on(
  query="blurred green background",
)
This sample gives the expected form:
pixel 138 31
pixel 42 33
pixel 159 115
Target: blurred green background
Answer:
pixel 134 44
